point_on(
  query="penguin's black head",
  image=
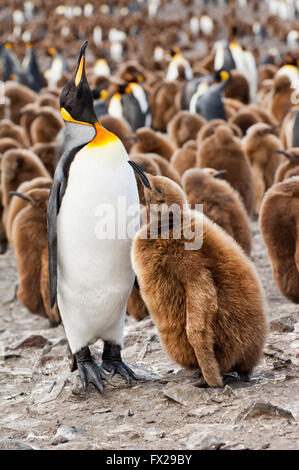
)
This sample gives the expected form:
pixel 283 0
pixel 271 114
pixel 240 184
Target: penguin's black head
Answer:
pixel 290 60
pixel 234 33
pixel 76 99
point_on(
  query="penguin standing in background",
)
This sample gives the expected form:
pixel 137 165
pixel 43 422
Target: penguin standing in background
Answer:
pixel 135 83
pixel 290 69
pixel 32 71
pixel 209 104
pixel 11 64
pixel 230 56
pixel 178 63
pixel 58 65
pixel 198 84
pixel 90 276
pixel 123 104
pixel 100 101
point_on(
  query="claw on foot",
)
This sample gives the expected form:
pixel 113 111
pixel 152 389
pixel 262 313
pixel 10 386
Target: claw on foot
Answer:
pixel 90 372
pixel 113 363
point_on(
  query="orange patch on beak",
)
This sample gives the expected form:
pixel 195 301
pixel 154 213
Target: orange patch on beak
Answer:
pixel 80 71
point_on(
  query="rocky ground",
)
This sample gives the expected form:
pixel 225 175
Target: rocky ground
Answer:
pixel 43 407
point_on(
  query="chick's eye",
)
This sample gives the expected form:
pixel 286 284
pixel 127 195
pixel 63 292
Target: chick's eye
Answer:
pixel 158 190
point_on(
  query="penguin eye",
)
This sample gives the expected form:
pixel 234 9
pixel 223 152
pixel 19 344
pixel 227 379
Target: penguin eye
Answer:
pixel 158 190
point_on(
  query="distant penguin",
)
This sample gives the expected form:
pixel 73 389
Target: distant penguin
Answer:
pixel 29 239
pixel 93 170
pixel 11 64
pixel 197 85
pixel 178 61
pixel 290 70
pixel 101 68
pixel 123 104
pixel 207 303
pixel 31 68
pixel 57 67
pixel 100 95
pixel 221 203
pixel 209 104
pixel 279 227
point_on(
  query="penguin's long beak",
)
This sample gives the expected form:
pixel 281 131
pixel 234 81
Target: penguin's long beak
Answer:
pixel 20 195
pixel 140 171
pixel 286 154
pixel 220 173
pixel 80 74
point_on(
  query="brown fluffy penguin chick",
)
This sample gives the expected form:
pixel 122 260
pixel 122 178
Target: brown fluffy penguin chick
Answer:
pixel 166 168
pixel 209 129
pixel 18 166
pixel 224 151
pixel 46 153
pixel 288 168
pixel 281 98
pixel 221 203
pixel 7 143
pixel 244 119
pixel 9 129
pixel 120 127
pixel 17 204
pixel 46 125
pixel 207 303
pixel 238 88
pixel 184 126
pixel 19 96
pixel 279 222
pixel 260 146
pixel 30 244
pixel 163 100
pixel 149 141
pixel 136 308
pixel 184 158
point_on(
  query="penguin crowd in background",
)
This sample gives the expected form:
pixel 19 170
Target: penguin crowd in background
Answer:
pixel 198 108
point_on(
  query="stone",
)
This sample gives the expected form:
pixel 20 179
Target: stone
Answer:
pixel 12 444
pixel 31 341
pixel 183 394
pixel 204 441
pixel 264 407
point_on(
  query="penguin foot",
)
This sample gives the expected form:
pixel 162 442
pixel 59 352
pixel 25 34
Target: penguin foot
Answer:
pixel 89 371
pixel 113 363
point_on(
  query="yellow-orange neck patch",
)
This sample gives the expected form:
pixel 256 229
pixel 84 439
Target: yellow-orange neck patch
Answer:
pixel 68 118
pixel 102 137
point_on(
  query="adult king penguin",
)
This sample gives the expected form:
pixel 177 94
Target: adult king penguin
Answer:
pixel 91 278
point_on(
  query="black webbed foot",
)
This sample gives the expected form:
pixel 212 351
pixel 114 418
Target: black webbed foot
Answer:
pixel 90 372
pixel 113 363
